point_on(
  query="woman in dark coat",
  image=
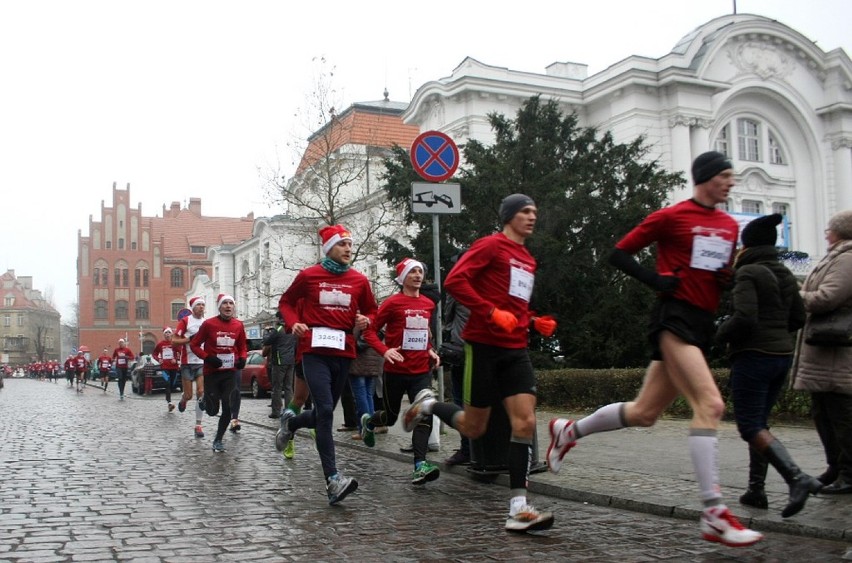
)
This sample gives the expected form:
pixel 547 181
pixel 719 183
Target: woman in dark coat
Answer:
pixel 768 311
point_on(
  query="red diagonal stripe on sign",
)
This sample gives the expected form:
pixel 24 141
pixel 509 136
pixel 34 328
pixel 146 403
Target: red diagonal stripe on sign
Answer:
pixel 435 156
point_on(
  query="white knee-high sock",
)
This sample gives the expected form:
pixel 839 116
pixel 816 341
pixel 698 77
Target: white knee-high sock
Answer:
pixel 703 448
pixel 604 419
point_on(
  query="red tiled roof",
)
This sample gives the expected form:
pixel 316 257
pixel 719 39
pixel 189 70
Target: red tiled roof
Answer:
pixel 188 229
pixel 359 128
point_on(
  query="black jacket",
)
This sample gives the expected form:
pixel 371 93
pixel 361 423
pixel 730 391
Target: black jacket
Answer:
pixel 282 346
pixel 768 309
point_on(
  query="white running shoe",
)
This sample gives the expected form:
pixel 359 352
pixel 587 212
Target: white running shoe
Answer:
pixel 559 443
pixel 719 525
pixel 414 413
pixel 527 518
pixel 338 487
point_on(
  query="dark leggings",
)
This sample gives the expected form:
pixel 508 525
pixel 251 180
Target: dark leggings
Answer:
pixel 395 386
pixel 170 382
pixel 122 379
pixel 217 392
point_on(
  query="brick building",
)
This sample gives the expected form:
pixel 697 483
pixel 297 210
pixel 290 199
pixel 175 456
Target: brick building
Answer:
pixel 133 271
pixel 29 325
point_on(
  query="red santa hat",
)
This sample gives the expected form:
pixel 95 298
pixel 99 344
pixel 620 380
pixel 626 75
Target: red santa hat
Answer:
pixel 198 300
pixel 222 298
pixel 333 234
pixel 168 330
pixel 404 267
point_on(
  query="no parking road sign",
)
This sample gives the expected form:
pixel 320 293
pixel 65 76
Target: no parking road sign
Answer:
pixel 434 156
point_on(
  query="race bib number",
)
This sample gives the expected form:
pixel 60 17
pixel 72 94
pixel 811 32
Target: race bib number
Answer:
pixel 104 365
pixel 415 339
pixel 521 283
pixel 710 253
pixel 168 354
pixel 223 341
pixel 322 337
pixel 227 360
pixel 121 361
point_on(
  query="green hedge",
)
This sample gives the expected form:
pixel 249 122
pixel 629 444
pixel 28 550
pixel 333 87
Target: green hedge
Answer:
pixel 580 390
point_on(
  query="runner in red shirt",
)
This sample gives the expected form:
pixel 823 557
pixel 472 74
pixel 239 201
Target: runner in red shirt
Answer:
pixel 168 355
pixel 695 242
pixel 322 306
pixel 122 356
pixel 81 366
pixel 494 280
pixel 409 357
pixel 104 363
pixel 221 345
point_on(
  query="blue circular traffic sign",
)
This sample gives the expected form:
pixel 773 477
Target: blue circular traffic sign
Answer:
pixel 434 156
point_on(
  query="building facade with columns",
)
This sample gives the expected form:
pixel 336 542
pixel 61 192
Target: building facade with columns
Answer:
pixel 777 104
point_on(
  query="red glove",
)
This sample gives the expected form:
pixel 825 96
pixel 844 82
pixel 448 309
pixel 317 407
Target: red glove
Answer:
pixel 545 325
pixel 503 319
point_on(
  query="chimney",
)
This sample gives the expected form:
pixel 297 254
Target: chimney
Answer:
pixel 174 211
pixel 195 205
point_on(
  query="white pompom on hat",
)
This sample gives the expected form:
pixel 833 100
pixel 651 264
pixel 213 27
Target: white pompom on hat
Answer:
pixel 222 298
pixel 333 234
pixel 404 267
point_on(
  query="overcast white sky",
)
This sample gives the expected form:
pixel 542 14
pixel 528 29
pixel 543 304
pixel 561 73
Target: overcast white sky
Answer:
pixel 189 98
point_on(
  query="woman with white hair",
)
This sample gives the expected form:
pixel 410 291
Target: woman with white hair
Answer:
pixel 825 370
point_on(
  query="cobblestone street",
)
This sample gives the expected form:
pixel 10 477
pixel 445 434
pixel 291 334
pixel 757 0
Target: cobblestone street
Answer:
pixel 86 477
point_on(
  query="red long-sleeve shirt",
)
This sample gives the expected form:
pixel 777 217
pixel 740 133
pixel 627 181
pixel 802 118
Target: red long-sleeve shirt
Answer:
pixel 122 357
pixel 167 354
pixel 321 299
pixel 693 241
pixel 494 272
pixel 104 363
pixel 225 339
pixel 405 320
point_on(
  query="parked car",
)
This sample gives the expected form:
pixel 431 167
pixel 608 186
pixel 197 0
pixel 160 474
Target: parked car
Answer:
pixel 146 365
pixel 254 379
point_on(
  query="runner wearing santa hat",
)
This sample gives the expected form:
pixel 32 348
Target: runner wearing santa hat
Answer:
pixel 104 363
pixel 321 307
pixel 221 344
pixel 409 357
pixel 121 357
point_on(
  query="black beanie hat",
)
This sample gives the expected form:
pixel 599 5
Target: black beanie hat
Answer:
pixel 511 204
pixel 762 231
pixel 708 164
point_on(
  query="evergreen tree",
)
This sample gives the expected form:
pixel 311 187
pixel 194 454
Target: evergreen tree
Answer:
pixel 589 192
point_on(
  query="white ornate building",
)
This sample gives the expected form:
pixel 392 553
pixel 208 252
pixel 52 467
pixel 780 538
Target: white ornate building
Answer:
pixel 746 85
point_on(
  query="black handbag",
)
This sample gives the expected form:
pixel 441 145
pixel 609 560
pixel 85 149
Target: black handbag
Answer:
pixel 830 329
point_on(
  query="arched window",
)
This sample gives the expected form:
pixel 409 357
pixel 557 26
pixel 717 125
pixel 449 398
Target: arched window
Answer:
pixel 177 277
pixel 101 310
pixel 121 310
pixel 141 310
pixel 140 274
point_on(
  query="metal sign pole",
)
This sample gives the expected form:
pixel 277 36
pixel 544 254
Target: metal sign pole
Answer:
pixel 436 243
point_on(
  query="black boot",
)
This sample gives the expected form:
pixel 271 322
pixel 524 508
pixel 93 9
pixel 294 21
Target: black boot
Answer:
pixel 830 475
pixel 755 495
pixel 801 484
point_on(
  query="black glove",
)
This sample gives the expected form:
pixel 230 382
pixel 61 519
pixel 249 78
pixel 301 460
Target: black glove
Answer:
pixel 240 364
pixel 627 264
pixel 213 361
pixel 665 283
